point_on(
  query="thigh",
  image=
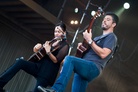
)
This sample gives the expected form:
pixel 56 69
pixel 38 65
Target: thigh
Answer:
pixel 84 68
pixel 79 84
pixel 27 66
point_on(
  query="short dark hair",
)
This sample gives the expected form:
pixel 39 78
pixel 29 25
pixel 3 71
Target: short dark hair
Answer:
pixel 114 16
pixel 62 25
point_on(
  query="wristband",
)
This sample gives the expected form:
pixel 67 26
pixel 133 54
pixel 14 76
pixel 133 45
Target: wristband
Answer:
pixel 90 42
pixel 48 53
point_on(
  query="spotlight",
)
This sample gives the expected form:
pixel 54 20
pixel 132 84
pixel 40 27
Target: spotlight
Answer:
pixel 76 10
pixel 93 13
pixel 71 22
pixel 126 5
pixel 74 22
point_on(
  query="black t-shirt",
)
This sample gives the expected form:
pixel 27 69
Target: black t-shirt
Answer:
pixel 104 41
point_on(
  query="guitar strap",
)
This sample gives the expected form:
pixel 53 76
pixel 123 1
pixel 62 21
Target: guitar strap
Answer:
pixel 56 47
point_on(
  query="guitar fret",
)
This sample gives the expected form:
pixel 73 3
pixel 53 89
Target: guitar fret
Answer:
pixel 41 54
pixel 38 56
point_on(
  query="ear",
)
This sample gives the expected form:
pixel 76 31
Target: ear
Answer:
pixel 64 33
pixel 114 24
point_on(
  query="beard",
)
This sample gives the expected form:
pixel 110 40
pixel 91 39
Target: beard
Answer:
pixel 104 27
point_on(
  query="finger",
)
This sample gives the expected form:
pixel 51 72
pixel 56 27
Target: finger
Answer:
pixel 90 31
pixel 79 43
pixel 83 33
pixel 43 45
pixel 86 30
pixel 47 42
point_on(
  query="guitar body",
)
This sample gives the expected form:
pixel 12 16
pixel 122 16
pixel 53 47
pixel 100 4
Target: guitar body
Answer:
pixel 38 55
pixel 82 49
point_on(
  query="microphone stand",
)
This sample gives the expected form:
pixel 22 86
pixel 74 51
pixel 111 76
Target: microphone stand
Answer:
pixel 78 27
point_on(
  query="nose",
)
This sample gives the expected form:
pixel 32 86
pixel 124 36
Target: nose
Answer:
pixel 104 21
pixel 56 34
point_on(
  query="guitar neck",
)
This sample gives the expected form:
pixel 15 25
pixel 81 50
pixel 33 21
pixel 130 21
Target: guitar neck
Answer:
pixel 85 43
pixel 80 52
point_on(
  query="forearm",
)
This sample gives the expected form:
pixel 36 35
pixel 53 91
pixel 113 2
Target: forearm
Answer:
pixel 102 52
pixel 52 57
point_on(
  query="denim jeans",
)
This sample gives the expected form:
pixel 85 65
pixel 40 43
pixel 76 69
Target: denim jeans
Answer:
pixel 85 71
pixel 20 64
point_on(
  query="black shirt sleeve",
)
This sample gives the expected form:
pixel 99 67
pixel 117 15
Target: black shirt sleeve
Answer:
pixel 62 52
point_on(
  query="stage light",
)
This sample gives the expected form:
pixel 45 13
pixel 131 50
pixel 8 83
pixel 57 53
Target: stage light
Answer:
pixel 75 22
pixel 71 22
pixel 76 10
pixel 93 13
pixel 126 5
pixel 122 9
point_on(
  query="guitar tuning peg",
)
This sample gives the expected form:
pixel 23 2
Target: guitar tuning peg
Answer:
pixel 101 10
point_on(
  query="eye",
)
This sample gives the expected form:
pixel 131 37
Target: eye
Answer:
pixel 108 19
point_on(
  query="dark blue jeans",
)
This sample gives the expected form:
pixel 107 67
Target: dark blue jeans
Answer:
pixel 85 71
pixel 20 64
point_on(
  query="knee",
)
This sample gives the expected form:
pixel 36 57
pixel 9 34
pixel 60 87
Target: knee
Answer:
pixel 19 60
pixel 68 59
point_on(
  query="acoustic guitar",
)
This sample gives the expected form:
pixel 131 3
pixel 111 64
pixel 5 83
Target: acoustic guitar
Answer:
pixel 85 46
pixel 41 53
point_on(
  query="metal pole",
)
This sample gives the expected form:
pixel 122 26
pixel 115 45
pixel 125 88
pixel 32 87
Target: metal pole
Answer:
pixel 78 27
pixel 61 9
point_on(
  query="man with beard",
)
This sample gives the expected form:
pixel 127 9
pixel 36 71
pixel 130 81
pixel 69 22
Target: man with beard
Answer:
pixel 93 61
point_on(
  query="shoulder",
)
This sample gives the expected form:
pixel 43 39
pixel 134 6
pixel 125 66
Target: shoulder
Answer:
pixel 64 43
pixel 112 36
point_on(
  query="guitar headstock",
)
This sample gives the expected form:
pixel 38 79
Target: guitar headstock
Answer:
pixel 57 38
pixel 98 13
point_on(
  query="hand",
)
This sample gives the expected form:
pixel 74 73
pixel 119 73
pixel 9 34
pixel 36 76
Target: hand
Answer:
pixel 80 47
pixel 47 46
pixel 87 36
pixel 79 44
pixel 38 46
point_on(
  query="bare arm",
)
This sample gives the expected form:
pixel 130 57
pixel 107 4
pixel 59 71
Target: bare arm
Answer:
pixel 47 47
pixel 102 52
pixel 59 56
